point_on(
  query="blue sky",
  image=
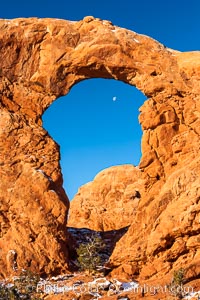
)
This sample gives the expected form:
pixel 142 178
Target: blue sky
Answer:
pixel 94 131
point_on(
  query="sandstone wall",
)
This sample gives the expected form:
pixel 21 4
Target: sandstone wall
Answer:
pixel 40 60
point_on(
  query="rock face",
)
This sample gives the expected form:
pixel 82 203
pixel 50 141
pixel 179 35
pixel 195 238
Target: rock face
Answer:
pixel 40 60
pixel 109 202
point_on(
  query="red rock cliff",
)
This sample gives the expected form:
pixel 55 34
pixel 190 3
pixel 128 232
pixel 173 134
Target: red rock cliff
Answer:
pixel 40 60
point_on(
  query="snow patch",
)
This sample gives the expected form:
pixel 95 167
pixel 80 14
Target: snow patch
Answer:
pixel 42 172
pixel 194 295
pixel 12 252
pixel 136 40
pixel 102 282
pixel 129 286
pixel 63 277
pixel 52 191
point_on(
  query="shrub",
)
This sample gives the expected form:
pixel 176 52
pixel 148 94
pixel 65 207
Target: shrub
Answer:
pixel 176 285
pixel 8 293
pixel 24 287
pixel 27 282
pixel 89 253
pixel 178 277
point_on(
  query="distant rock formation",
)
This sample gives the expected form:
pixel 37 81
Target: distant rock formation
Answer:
pixel 110 201
pixel 40 60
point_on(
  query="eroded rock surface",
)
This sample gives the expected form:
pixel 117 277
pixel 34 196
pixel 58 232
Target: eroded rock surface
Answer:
pixel 40 60
pixel 110 201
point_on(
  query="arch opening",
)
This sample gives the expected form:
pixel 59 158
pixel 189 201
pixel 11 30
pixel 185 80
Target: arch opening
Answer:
pixel 96 126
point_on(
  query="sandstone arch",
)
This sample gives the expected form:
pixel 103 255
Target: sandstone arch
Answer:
pixel 41 59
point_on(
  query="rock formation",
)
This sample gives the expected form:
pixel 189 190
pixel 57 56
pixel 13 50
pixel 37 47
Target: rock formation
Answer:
pixel 110 201
pixel 40 60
